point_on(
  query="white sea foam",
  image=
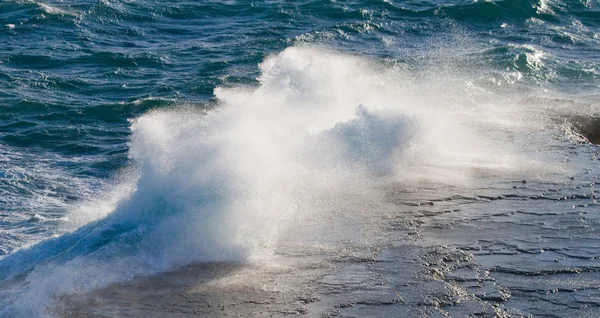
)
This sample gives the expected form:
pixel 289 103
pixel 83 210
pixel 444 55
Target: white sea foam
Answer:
pixel 544 7
pixel 52 10
pixel 218 185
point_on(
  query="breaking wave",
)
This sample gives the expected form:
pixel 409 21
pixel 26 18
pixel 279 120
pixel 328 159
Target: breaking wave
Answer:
pixel 217 185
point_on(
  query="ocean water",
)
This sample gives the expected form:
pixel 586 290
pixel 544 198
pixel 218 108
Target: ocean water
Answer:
pixel 373 158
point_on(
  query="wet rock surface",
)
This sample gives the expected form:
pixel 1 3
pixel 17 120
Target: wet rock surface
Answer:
pixel 588 127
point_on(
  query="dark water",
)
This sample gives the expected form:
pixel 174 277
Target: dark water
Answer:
pixel 351 158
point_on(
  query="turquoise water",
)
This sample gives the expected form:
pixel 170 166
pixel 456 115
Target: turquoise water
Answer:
pixel 158 134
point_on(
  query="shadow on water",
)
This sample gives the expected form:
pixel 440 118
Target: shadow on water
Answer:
pixel 188 290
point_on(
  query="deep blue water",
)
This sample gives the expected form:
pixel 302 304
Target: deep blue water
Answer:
pixel 76 75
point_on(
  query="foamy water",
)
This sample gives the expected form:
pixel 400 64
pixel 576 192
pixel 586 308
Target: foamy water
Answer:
pixel 217 185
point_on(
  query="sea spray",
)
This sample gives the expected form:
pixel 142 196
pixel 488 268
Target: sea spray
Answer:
pixel 217 185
